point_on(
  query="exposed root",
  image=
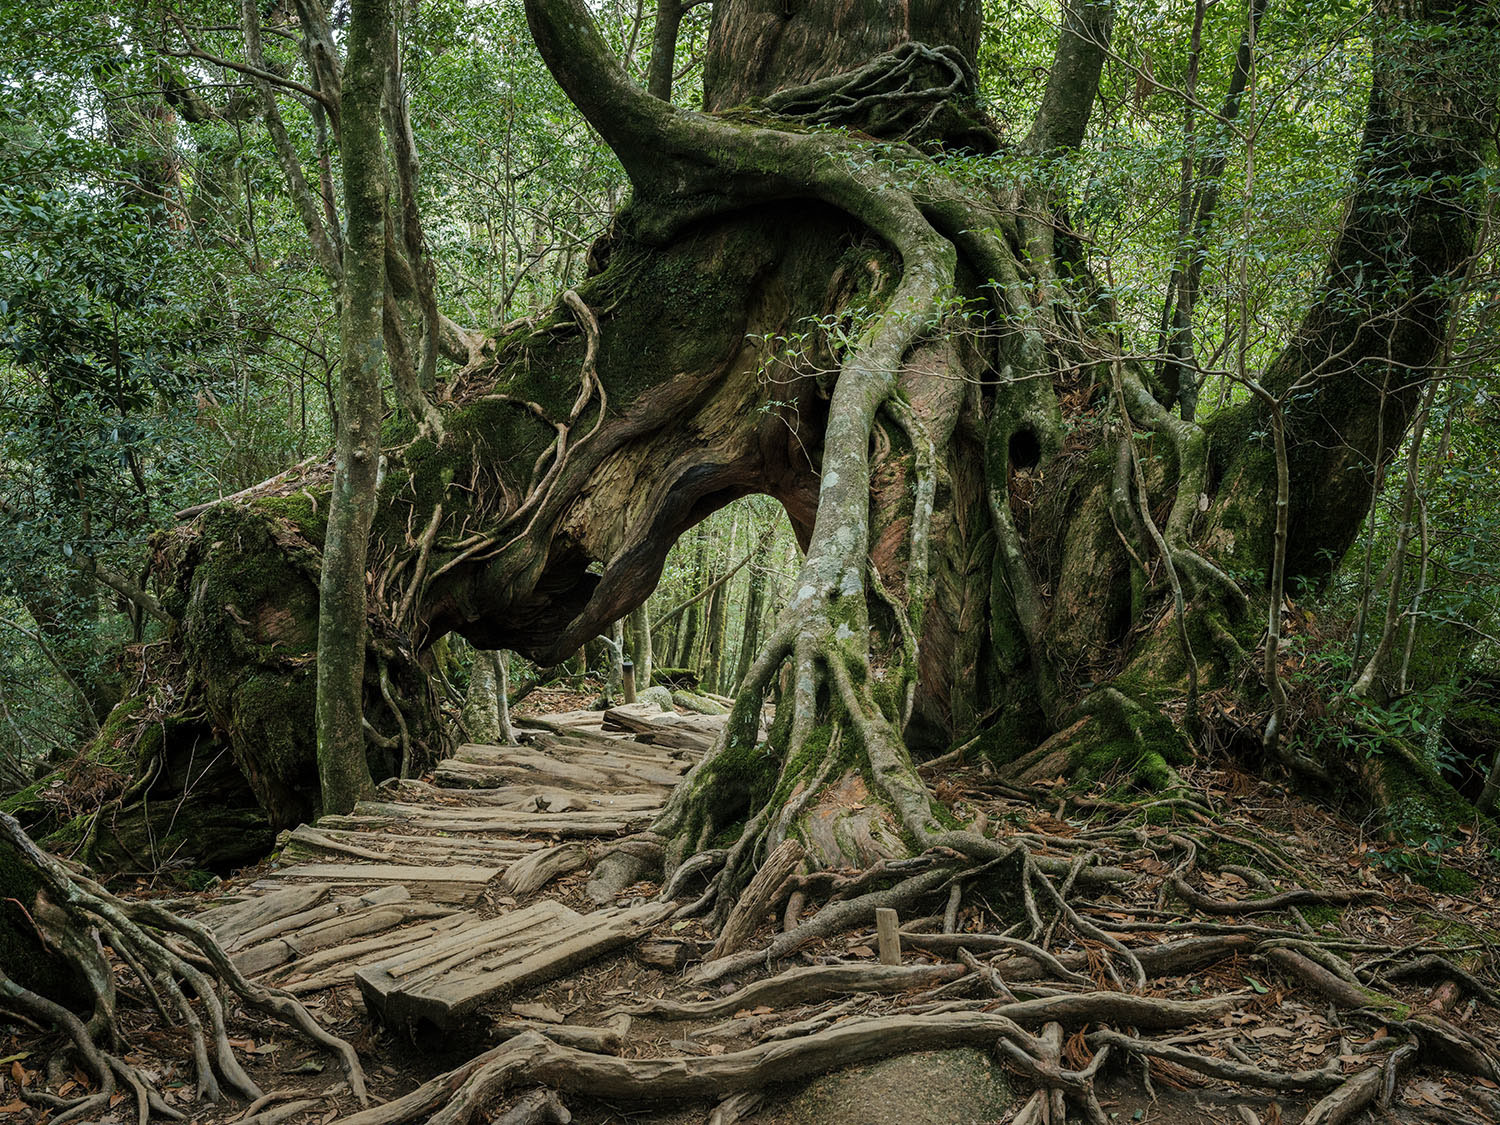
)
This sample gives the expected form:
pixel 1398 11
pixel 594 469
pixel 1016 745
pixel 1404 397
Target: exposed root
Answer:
pixel 145 937
pixel 532 1058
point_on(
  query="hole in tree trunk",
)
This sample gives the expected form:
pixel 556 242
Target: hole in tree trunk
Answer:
pixel 1025 449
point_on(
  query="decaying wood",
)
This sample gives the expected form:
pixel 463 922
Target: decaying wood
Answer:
pixel 668 729
pixel 308 843
pixel 608 1040
pixel 379 814
pixel 527 876
pixel 329 968
pixel 444 980
pixel 459 882
pixel 758 897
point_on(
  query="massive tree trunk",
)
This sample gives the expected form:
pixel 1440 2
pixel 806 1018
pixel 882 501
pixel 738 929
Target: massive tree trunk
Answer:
pixel 974 511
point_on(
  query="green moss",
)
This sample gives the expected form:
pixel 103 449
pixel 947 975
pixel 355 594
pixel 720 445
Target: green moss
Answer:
pixel 28 802
pixel 1419 805
pixel 1446 880
pixel 675 677
pixel 1451 932
pixel 1132 736
pixel 1319 916
pixel 304 511
pixel 1147 768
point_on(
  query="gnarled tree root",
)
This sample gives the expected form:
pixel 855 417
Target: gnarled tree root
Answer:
pixel 533 1058
pixel 173 958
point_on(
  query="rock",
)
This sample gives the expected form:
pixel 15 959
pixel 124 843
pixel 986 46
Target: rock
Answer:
pixel 658 697
pixel 700 704
pixel 958 1087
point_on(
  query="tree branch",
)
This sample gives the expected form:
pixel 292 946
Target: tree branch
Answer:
pixel 1073 81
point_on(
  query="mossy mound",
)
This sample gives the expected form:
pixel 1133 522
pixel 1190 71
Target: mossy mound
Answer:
pixel 958 1087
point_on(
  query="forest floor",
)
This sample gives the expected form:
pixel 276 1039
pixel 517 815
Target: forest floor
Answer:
pixel 1196 906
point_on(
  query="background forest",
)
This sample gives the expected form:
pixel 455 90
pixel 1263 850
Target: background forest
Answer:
pixel 168 338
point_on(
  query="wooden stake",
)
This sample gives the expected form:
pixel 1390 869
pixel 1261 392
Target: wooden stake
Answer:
pixel 888 933
pixel 627 679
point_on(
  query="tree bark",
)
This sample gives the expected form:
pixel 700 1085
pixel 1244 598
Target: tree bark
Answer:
pixel 343 773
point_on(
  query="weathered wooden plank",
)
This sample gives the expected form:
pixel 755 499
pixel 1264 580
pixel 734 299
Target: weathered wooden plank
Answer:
pixel 228 923
pixel 306 842
pixel 328 968
pixel 622 750
pixel 467 819
pixel 495 959
pixel 503 792
pixel 696 732
pixel 525 783
pixel 459 882
pixel 334 931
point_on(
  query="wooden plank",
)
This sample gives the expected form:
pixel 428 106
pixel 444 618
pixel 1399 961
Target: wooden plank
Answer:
pixel 333 932
pixel 306 842
pixel 328 968
pixel 564 783
pixel 527 796
pixel 464 819
pixel 668 729
pixel 492 961
pixel 230 922
pixel 627 751
pixel 460 882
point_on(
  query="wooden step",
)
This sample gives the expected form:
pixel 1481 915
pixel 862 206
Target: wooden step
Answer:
pixel 523 798
pixel 459 819
pixel 329 968
pixel 381 913
pixel 317 843
pixel 459 882
pixel 668 729
pixel 445 979
pixel 545 767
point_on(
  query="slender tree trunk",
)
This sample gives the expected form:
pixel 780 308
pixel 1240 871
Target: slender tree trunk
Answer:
pixel 687 633
pixel 638 637
pixel 342 768
pixel 486 713
pixel 718 613
pixel 755 598
pixel 664 49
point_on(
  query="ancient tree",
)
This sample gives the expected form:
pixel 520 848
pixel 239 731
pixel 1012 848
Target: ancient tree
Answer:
pixel 804 298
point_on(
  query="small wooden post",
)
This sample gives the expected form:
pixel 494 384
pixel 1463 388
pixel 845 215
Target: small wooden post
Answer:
pixel 888 934
pixel 627 679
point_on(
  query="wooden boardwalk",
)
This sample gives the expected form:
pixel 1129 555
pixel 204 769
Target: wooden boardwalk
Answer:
pixel 430 901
